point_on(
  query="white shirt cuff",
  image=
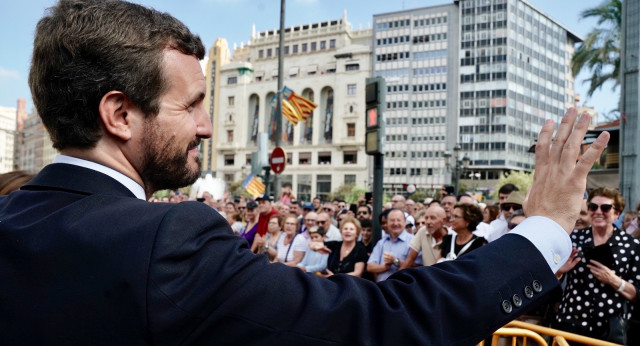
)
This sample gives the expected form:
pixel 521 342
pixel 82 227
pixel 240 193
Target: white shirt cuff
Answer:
pixel 548 237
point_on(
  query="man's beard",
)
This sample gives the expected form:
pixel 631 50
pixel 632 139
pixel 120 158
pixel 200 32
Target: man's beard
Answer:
pixel 164 165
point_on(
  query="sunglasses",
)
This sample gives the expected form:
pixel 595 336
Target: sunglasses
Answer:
pixel 320 222
pixel 506 207
pixel 363 212
pixel 327 209
pixel 604 207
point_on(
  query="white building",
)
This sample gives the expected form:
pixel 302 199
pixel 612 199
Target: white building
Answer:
pixel 481 74
pixel 326 62
pixel 7 130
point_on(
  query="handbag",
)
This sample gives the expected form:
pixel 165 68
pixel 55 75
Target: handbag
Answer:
pixel 452 255
pixel 617 331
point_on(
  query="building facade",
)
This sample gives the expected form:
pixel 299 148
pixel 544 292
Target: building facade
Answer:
pixel 7 137
pixel 327 62
pixel 502 67
pixel 35 150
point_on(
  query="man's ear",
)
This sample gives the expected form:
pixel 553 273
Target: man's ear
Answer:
pixel 114 112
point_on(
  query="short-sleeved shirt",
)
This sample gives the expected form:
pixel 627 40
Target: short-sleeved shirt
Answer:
pixel 399 248
pixel 297 244
pixel 423 242
pixel 348 264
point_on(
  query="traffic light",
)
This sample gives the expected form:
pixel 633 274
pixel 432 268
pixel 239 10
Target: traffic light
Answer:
pixel 374 117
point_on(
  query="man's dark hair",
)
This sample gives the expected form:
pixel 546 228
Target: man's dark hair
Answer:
pixel 508 188
pixel 366 223
pixel 85 48
pixel 384 214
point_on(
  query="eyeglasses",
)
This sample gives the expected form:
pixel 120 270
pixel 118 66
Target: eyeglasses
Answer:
pixel 290 223
pixel 604 207
pixel 309 220
pixel 320 222
pixel 506 207
pixel 363 212
pixel 327 209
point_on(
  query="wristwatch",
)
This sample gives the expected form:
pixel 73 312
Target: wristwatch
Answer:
pixel 396 262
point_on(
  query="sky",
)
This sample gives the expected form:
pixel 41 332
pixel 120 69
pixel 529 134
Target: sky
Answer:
pixel 233 20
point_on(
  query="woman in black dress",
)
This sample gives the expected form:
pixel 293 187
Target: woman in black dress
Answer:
pixel 347 256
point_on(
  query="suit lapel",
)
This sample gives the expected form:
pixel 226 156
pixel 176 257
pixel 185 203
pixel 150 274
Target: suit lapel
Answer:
pixel 76 179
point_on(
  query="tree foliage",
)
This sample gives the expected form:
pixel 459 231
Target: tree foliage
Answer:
pixel 600 51
pixel 522 180
pixel 348 193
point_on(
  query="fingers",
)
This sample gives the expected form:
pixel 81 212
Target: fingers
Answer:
pixel 542 148
pixel 592 154
pixel 564 131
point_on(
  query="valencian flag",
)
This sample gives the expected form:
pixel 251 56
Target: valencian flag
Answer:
pixel 295 108
pixel 254 185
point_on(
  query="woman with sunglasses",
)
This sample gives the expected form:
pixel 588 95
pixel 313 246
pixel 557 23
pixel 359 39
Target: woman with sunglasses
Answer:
pixel 602 274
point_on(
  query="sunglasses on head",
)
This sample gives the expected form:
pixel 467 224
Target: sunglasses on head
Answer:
pixel 604 207
pixel 515 207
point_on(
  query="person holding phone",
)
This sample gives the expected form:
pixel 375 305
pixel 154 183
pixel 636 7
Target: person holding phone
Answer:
pixel 602 273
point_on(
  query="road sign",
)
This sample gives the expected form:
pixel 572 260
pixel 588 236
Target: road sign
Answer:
pixel 278 160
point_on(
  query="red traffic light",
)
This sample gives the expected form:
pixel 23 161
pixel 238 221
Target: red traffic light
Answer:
pixel 372 117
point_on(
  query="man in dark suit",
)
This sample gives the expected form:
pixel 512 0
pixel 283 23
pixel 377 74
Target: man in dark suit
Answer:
pixel 85 259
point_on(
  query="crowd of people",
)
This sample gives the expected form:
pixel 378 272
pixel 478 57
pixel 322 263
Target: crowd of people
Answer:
pixel 330 237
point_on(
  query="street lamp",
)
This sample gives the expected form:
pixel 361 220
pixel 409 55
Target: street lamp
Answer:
pixel 458 164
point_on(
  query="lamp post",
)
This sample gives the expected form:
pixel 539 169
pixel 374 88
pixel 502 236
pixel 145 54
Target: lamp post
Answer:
pixel 457 166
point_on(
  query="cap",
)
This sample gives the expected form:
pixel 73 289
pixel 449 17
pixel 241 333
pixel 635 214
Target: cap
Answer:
pixel 307 205
pixel 252 205
pixel 516 197
pixel 268 198
pixel 316 229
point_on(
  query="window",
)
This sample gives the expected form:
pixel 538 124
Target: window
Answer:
pixel 295 48
pixel 304 47
pixel 232 80
pixel 351 89
pixel 313 46
pixel 229 160
pixel 247 160
pixel 304 158
pixel 351 129
pixel 286 50
pixel 323 44
pixel 349 179
pixel 261 53
pixel 323 186
pixel 269 52
pixel 229 136
pixel 350 157
pixel 229 177
pixel 352 67
pixel 332 43
pixel 232 100
pixel 324 158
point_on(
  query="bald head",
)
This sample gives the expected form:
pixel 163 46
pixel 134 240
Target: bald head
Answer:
pixel 435 218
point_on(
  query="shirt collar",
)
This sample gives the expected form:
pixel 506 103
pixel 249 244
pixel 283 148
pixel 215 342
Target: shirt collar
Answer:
pixel 129 183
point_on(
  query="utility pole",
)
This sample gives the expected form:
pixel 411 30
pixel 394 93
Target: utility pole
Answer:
pixel 276 181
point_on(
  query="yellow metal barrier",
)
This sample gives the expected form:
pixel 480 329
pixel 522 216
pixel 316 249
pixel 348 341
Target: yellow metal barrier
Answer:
pixel 521 333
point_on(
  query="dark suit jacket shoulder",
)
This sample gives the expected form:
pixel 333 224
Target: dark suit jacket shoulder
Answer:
pixel 82 261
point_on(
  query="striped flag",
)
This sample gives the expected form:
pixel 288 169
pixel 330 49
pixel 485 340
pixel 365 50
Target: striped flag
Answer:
pixel 254 185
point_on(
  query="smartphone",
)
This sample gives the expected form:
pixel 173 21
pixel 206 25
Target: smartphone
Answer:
pixel 368 196
pixel 601 253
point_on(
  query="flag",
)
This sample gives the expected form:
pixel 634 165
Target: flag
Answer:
pixel 295 107
pixel 254 185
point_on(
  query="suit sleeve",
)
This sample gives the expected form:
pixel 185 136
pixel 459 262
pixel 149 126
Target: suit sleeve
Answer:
pixel 205 286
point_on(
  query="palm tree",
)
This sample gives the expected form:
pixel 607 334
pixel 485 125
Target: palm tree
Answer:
pixel 600 51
